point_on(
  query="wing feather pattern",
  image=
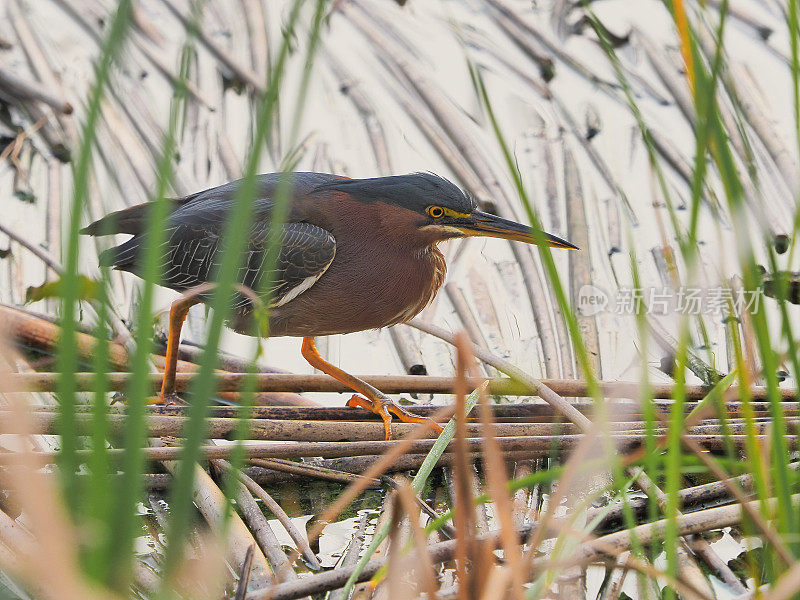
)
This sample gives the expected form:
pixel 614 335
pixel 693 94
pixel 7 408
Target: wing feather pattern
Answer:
pixel 191 257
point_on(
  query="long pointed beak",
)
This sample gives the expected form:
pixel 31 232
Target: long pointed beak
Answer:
pixel 484 224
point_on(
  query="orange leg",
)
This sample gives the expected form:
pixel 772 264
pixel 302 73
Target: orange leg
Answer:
pixel 177 315
pixel 374 400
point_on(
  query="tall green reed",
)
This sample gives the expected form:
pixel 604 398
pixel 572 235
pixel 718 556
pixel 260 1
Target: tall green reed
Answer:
pixel 109 556
pixel 67 360
pixel 135 432
pixel 238 220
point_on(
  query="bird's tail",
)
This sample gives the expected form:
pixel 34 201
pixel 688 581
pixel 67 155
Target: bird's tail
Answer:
pixel 128 220
pixel 122 257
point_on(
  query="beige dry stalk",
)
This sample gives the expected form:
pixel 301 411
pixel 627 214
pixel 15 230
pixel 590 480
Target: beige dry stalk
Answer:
pixel 408 500
pixel 463 515
pixel 204 575
pixel 50 564
pixel 737 492
pixel 497 479
pixel 376 470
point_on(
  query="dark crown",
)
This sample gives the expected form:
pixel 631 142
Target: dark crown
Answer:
pixel 415 191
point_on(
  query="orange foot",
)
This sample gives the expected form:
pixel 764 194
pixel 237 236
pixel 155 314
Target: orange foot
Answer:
pixel 385 408
pixel 169 399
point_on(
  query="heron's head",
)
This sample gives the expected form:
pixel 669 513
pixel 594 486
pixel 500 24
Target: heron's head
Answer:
pixel 434 209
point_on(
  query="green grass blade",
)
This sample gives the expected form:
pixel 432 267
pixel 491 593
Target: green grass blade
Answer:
pixel 67 363
pixel 203 384
pixel 134 436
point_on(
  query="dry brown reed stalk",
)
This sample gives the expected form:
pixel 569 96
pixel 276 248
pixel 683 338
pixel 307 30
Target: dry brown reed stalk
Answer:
pixel 305 470
pixel 510 26
pixel 580 265
pixel 741 12
pixel 530 31
pixel 355 465
pixel 465 315
pixel 515 448
pixel 48 562
pixel 544 392
pixel 597 160
pixel 401 565
pixel 255 17
pixel 351 87
pixel 22 90
pixel 120 136
pixel 445 147
pixel 244 575
pixel 579 420
pixel 572 468
pixel 696 496
pixel 393 384
pixel 610 545
pixel 463 511
pixel 24 327
pixel 32 46
pixel 166 71
pixel 758 115
pixel 245 74
pixel 375 470
pixel 752 511
pixel 566 357
pixel 34 331
pixel 354 489
pixel 786 586
pixel 395 587
pixel 613 587
pixel 526 500
pixel 685 589
pixel 697 522
pixel 408 501
pixel 265 544
pixel 363 431
pixel 701 546
pixel 686 563
pixel 623 414
pixel 693 361
pixel 497 479
pixel 36 250
pixel 212 504
pixel 276 509
pixel 409 353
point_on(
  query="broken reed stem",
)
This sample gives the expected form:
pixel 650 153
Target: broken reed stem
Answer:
pixel 527 447
pixel 701 496
pixel 559 404
pixel 610 545
pixel 528 412
pixel 276 509
pixel 22 89
pixel 389 384
pixel 313 471
pixel 354 431
pixel 243 73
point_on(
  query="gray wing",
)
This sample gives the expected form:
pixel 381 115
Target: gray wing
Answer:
pixel 305 251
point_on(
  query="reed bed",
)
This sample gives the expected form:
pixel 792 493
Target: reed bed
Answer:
pixel 601 439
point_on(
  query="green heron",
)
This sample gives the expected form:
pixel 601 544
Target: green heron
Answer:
pixel 355 254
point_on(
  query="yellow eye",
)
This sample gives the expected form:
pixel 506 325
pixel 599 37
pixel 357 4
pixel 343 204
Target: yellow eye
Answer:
pixel 436 211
